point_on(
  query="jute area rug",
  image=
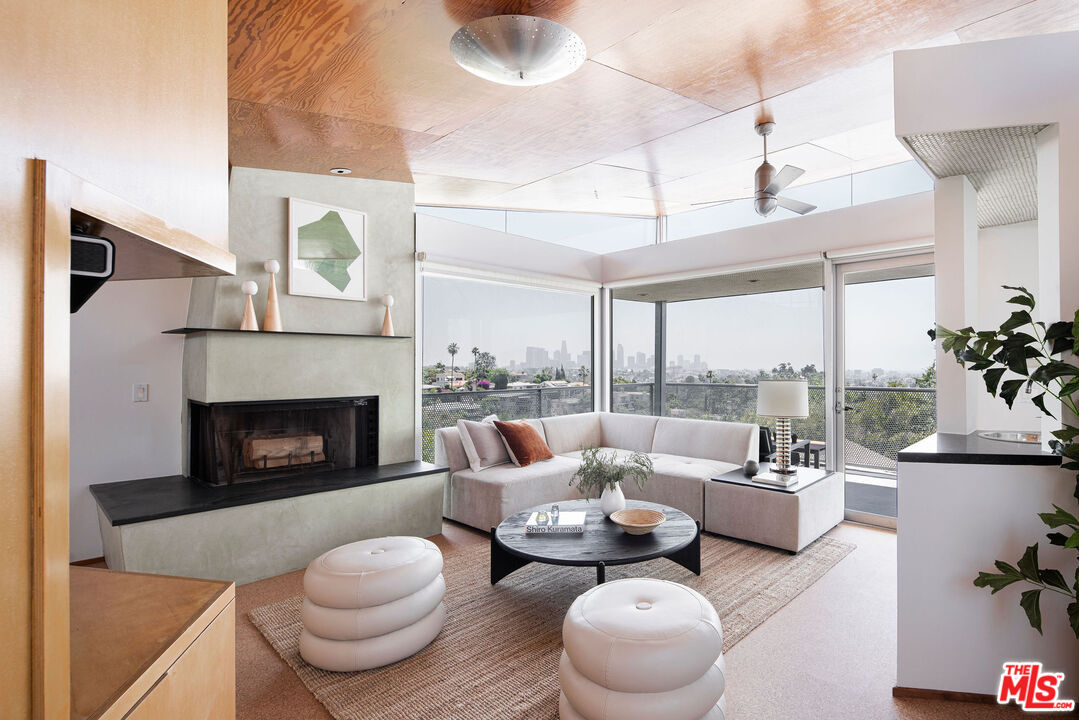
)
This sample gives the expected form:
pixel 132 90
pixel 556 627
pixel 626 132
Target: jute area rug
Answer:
pixel 497 656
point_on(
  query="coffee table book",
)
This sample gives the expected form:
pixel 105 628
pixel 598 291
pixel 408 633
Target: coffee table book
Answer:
pixel 770 478
pixel 569 523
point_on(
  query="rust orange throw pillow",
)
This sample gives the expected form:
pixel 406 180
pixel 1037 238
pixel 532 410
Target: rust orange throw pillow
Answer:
pixel 524 444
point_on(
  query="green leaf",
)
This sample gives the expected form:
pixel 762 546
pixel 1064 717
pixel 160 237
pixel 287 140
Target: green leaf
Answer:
pixel 1008 569
pixel 1015 358
pixel 1058 517
pixel 1028 564
pixel 1022 300
pixel 1053 370
pixel 995 582
pixel 1009 389
pixel 1039 400
pixel 1053 578
pixel 1030 601
pixel 992 379
pixel 1073 541
pixel 1075 334
pixel 1066 433
pixel 1059 329
pixel 1018 288
pixel 1056 538
pixel 1019 318
pixel 1073 617
pixel 1070 388
pixel 977 361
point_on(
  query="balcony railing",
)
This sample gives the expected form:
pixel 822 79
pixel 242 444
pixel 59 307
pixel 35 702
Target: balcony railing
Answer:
pixel 881 422
pixel 444 409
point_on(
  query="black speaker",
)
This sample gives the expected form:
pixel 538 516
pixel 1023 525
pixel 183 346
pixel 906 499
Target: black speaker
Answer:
pixel 91 265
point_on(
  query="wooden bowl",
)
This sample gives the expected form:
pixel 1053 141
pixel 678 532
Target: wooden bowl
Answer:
pixel 638 521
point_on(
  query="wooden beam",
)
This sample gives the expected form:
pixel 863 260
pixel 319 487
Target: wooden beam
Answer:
pixel 49 383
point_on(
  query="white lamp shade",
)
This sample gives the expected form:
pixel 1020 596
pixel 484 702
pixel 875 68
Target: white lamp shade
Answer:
pixel 783 398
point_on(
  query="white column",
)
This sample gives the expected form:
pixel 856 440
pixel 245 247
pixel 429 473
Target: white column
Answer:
pixel 1048 292
pixel 955 208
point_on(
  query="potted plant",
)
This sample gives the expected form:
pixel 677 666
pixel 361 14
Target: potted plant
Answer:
pixel 1011 347
pixel 604 472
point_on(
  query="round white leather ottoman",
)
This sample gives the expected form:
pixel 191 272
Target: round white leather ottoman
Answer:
pixel 371 572
pixel 642 648
pixel 371 603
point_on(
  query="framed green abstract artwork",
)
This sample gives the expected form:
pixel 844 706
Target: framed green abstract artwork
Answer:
pixel 327 252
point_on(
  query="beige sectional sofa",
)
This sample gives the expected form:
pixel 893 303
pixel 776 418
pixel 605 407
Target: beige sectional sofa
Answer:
pixel 685 454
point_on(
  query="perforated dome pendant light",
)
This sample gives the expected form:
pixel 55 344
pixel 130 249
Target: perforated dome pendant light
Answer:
pixel 517 49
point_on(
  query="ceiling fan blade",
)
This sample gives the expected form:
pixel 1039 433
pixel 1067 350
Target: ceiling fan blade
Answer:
pixel 783 178
pixel 795 205
pixel 720 202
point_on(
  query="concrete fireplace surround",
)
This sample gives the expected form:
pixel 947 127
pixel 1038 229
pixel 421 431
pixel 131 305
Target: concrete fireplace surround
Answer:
pixel 223 367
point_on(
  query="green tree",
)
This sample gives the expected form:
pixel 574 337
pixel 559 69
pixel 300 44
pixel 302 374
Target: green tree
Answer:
pixel 452 350
pixel 500 379
pixel 690 379
pixel 485 361
pixel 583 373
pixel 475 357
pixel 710 376
pixel 927 379
pixel 542 376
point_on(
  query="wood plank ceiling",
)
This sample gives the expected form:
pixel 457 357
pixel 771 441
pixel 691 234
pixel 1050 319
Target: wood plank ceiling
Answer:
pixel 661 115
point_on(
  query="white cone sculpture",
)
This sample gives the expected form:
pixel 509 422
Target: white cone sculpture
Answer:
pixel 249 288
pixel 272 321
pixel 387 322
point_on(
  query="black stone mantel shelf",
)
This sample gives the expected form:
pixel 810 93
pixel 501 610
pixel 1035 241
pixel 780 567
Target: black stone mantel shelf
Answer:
pixel 194 330
pixel 132 501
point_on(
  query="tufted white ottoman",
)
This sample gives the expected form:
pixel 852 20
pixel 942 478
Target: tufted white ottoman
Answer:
pixel 639 649
pixel 371 603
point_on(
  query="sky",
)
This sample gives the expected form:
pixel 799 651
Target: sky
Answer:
pixel 886 325
pixel 500 319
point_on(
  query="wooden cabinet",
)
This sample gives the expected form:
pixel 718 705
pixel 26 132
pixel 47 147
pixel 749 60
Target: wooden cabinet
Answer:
pixel 151 647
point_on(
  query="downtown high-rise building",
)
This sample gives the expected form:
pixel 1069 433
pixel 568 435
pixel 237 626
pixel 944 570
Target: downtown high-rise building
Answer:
pixel 620 357
pixel 536 357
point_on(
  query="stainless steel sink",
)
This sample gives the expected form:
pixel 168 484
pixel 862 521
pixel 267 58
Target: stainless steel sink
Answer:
pixel 1032 438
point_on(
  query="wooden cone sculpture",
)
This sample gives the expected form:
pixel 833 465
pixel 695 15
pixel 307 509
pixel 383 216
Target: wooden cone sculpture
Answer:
pixel 249 322
pixel 387 322
pixel 272 321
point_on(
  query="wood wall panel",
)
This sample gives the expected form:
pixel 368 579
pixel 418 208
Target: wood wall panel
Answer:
pixel 591 113
pixel 277 138
pixel 730 54
pixel 130 94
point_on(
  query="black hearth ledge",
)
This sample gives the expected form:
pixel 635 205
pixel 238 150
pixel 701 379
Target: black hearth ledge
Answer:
pixel 133 501
pixel 958 449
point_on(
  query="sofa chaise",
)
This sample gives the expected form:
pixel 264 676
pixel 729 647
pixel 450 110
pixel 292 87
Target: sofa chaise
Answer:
pixel 685 454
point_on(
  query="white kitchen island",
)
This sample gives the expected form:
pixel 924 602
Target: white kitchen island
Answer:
pixel 964 502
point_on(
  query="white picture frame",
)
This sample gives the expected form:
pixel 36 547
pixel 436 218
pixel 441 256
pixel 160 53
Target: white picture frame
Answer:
pixel 320 244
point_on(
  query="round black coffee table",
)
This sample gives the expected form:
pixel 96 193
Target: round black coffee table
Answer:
pixel 603 543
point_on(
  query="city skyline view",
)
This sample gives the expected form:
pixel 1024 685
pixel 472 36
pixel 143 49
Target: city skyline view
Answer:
pixel 531 329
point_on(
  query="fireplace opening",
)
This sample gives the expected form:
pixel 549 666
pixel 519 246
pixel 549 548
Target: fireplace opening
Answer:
pixel 236 442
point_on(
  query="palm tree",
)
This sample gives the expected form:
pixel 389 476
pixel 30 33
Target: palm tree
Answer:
pixel 475 356
pixel 452 350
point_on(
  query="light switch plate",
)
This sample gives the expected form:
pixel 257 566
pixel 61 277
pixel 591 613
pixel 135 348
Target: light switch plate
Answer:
pixel 140 392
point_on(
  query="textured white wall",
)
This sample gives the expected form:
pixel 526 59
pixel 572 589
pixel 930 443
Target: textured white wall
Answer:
pixel 116 342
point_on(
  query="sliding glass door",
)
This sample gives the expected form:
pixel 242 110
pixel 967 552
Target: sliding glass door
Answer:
pixel 885 376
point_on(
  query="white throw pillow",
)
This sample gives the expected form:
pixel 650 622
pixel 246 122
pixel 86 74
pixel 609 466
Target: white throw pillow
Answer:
pixel 483 444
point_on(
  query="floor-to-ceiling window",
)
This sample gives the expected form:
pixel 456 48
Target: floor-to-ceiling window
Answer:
pixel 718 338
pixel 512 350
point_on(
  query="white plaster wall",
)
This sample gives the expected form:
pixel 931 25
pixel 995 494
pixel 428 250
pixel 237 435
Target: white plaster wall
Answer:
pixel 897 222
pixel 1007 255
pixel 454 243
pixel 116 342
pixel 234 367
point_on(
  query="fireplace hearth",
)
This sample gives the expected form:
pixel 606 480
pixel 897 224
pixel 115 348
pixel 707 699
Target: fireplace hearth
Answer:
pixel 239 442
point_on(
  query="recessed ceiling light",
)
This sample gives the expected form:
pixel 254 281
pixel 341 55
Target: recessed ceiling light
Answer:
pixel 517 49
pixel 340 171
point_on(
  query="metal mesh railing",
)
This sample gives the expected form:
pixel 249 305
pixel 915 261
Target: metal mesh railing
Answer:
pixel 444 409
pixel 632 398
pixel 881 420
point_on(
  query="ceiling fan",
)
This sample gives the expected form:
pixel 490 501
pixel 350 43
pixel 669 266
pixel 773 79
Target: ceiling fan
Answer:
pixel 768 183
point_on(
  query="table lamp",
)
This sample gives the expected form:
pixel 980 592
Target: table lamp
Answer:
pixel 783 400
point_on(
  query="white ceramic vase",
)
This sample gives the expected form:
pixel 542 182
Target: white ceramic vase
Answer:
pixel 612 500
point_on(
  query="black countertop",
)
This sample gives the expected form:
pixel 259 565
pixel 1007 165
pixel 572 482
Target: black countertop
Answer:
pixel 974 450
pixel 132 501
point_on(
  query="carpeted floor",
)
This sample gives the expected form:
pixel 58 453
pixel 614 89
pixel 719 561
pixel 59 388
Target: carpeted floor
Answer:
pixel 498 653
